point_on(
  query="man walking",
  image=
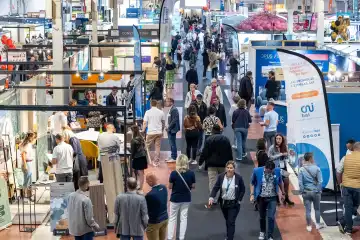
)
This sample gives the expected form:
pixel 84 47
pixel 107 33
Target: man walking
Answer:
pixel 216 153
pixel 154 121
pixel 131 216
pixel 349 177
pixel 234 70
pixel 271 120
pixel 63 158
pixel 202 112
pixel 246 89
pixel 173 126
pixel 192 77
pixel 81 219
pixel 156 201
pixel 264 188
pixel 220 111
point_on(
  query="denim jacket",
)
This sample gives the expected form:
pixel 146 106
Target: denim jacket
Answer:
pixel 307 182
pixel 257 178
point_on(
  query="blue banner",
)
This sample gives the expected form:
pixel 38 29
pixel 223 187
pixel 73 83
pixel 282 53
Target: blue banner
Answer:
pixel 137 67
pixel 222 5
pixel 132 13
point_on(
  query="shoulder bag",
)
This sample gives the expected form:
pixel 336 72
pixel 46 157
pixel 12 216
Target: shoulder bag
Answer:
pixel 187 186
pixel 312 176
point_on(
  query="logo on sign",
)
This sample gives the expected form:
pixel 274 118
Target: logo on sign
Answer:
pixel 306 110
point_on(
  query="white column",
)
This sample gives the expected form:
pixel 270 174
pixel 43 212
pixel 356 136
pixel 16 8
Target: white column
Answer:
pixel 319 7
pixel 115 14
pixel 290 21
pixel 58 52
pixel 94 15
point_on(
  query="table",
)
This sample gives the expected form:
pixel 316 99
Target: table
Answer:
pixel 93 136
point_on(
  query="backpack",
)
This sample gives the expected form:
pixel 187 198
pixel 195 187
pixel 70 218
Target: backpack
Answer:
pixel 187 55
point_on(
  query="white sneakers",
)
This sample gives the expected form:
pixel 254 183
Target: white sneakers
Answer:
pixel 262 236
pixel 317 225
pixel 309 228
pixel 170 160
pixel 194 162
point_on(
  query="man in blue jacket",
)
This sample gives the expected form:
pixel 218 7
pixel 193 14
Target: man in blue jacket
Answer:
pixel 172 127
pixel 264 188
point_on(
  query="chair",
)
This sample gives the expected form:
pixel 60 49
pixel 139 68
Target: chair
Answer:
pixel 90 150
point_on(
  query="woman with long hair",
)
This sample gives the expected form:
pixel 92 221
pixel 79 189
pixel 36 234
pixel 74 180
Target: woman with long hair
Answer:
pixel 232 190
pixel 138 155
pixel 210 121
pixel 261 154
pixel 278 153
pixel 181 182
pixel 27 158
pixel 192 126
pixel 80 166
pixel 94 118
pixel 170 73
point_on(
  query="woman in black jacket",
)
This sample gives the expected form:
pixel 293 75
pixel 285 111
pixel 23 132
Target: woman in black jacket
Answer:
pixel 261 154
pixel 157 93
pixel 206 62
pixel 232 190
pixel 138 155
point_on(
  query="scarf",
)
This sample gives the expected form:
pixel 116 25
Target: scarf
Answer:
pixel 193 97
pixel 213 94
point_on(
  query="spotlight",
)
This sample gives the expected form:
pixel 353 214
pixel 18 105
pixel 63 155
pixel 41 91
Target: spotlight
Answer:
pixel 351 74
pixel 31 51
pixel 77 74
pixel 102 74
pixel 337 74
pixel 48 51
pixel 44 74
pixel 40 51
pixel 89 74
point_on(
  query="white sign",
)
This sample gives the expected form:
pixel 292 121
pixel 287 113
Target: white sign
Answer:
pixel 17 57
pixel 307 112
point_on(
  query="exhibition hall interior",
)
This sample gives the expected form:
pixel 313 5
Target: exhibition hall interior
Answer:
pixel 179 119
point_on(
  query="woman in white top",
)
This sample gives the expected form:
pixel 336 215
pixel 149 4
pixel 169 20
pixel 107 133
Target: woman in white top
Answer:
pixel 191 95
pixel 232 190
pixel 27 158
pixel 222 61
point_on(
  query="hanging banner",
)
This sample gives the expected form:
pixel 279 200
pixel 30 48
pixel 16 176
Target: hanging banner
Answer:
pixel 137 67
pixel 308 113
pixel 5 215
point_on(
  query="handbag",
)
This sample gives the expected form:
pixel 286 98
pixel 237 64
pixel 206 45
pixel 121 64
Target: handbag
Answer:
pixel 187 186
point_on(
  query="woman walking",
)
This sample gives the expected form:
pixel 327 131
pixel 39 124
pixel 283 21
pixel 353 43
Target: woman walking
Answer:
pixel 241 120
pixel 170 73
pixel 278 153
pixel 222 64
pixel 210 121
pixel 181 182
pixel 310 185
pixel 179 56
pixel 192 126
pixel 232 190
pixel 27 157
pixel 80 167
pixel 138 155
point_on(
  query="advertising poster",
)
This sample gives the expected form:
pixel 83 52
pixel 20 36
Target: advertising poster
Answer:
pixel 138 67
pixel 59 194
pixel 308 120
pixel 5 215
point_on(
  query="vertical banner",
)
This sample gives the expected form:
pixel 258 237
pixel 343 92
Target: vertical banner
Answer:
pixel 137 67
pixel 308 113
pixel 5 215
pixel 222 5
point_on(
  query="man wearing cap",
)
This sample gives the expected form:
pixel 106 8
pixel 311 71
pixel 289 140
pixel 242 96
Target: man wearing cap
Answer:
pixel 192 77
pixel 246 89
pixel 201 109
pixel 271 120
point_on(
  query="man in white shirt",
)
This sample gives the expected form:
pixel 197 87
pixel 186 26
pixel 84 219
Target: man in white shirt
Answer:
pixel 154 121
pixel 63 158
pixel 201 40
pixel 59 120
pixel 271 120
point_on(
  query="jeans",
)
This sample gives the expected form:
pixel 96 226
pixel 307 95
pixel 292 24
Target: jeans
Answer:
pixel 86 236
pixel 64 177
pixel 234 81
pixel 214 72
pixel 351 198
pixel 241 135
pixel 269 138
pixel 314 198
pixel 157 231
pixel 222 70
pixel 123 237
pixel 28 175
pixel 205 70
pixel 230 215
pixel 172 142
pixel 267 208
pixel 192 140
pixel 200 142
pixel 187 65
pixel 174 210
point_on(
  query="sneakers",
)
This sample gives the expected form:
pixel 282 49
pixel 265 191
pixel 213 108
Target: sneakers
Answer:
pixel 193 162
pixel 309 228
pixel 319 226
pixel 170 160
pixel 341 227
pixel 238 159
pixel 234 146
pixel 270 238
pixel 155 164
pixel 262 236
pixel 244 155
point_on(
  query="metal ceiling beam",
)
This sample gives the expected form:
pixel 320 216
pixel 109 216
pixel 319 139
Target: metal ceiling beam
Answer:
pixel 68 72
pixel 55 108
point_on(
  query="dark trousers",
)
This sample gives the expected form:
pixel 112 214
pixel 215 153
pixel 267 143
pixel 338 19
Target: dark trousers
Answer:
pixel 214 72
pixel 267 209
pixel 201 139
pixel 100 176
pixel 230 215
pixel 87 236
pixel 172 142
pixel 205 70
pixel 192 140
pixel 351 198
pixel 76 177
pixel 64 177
pixel 269 138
